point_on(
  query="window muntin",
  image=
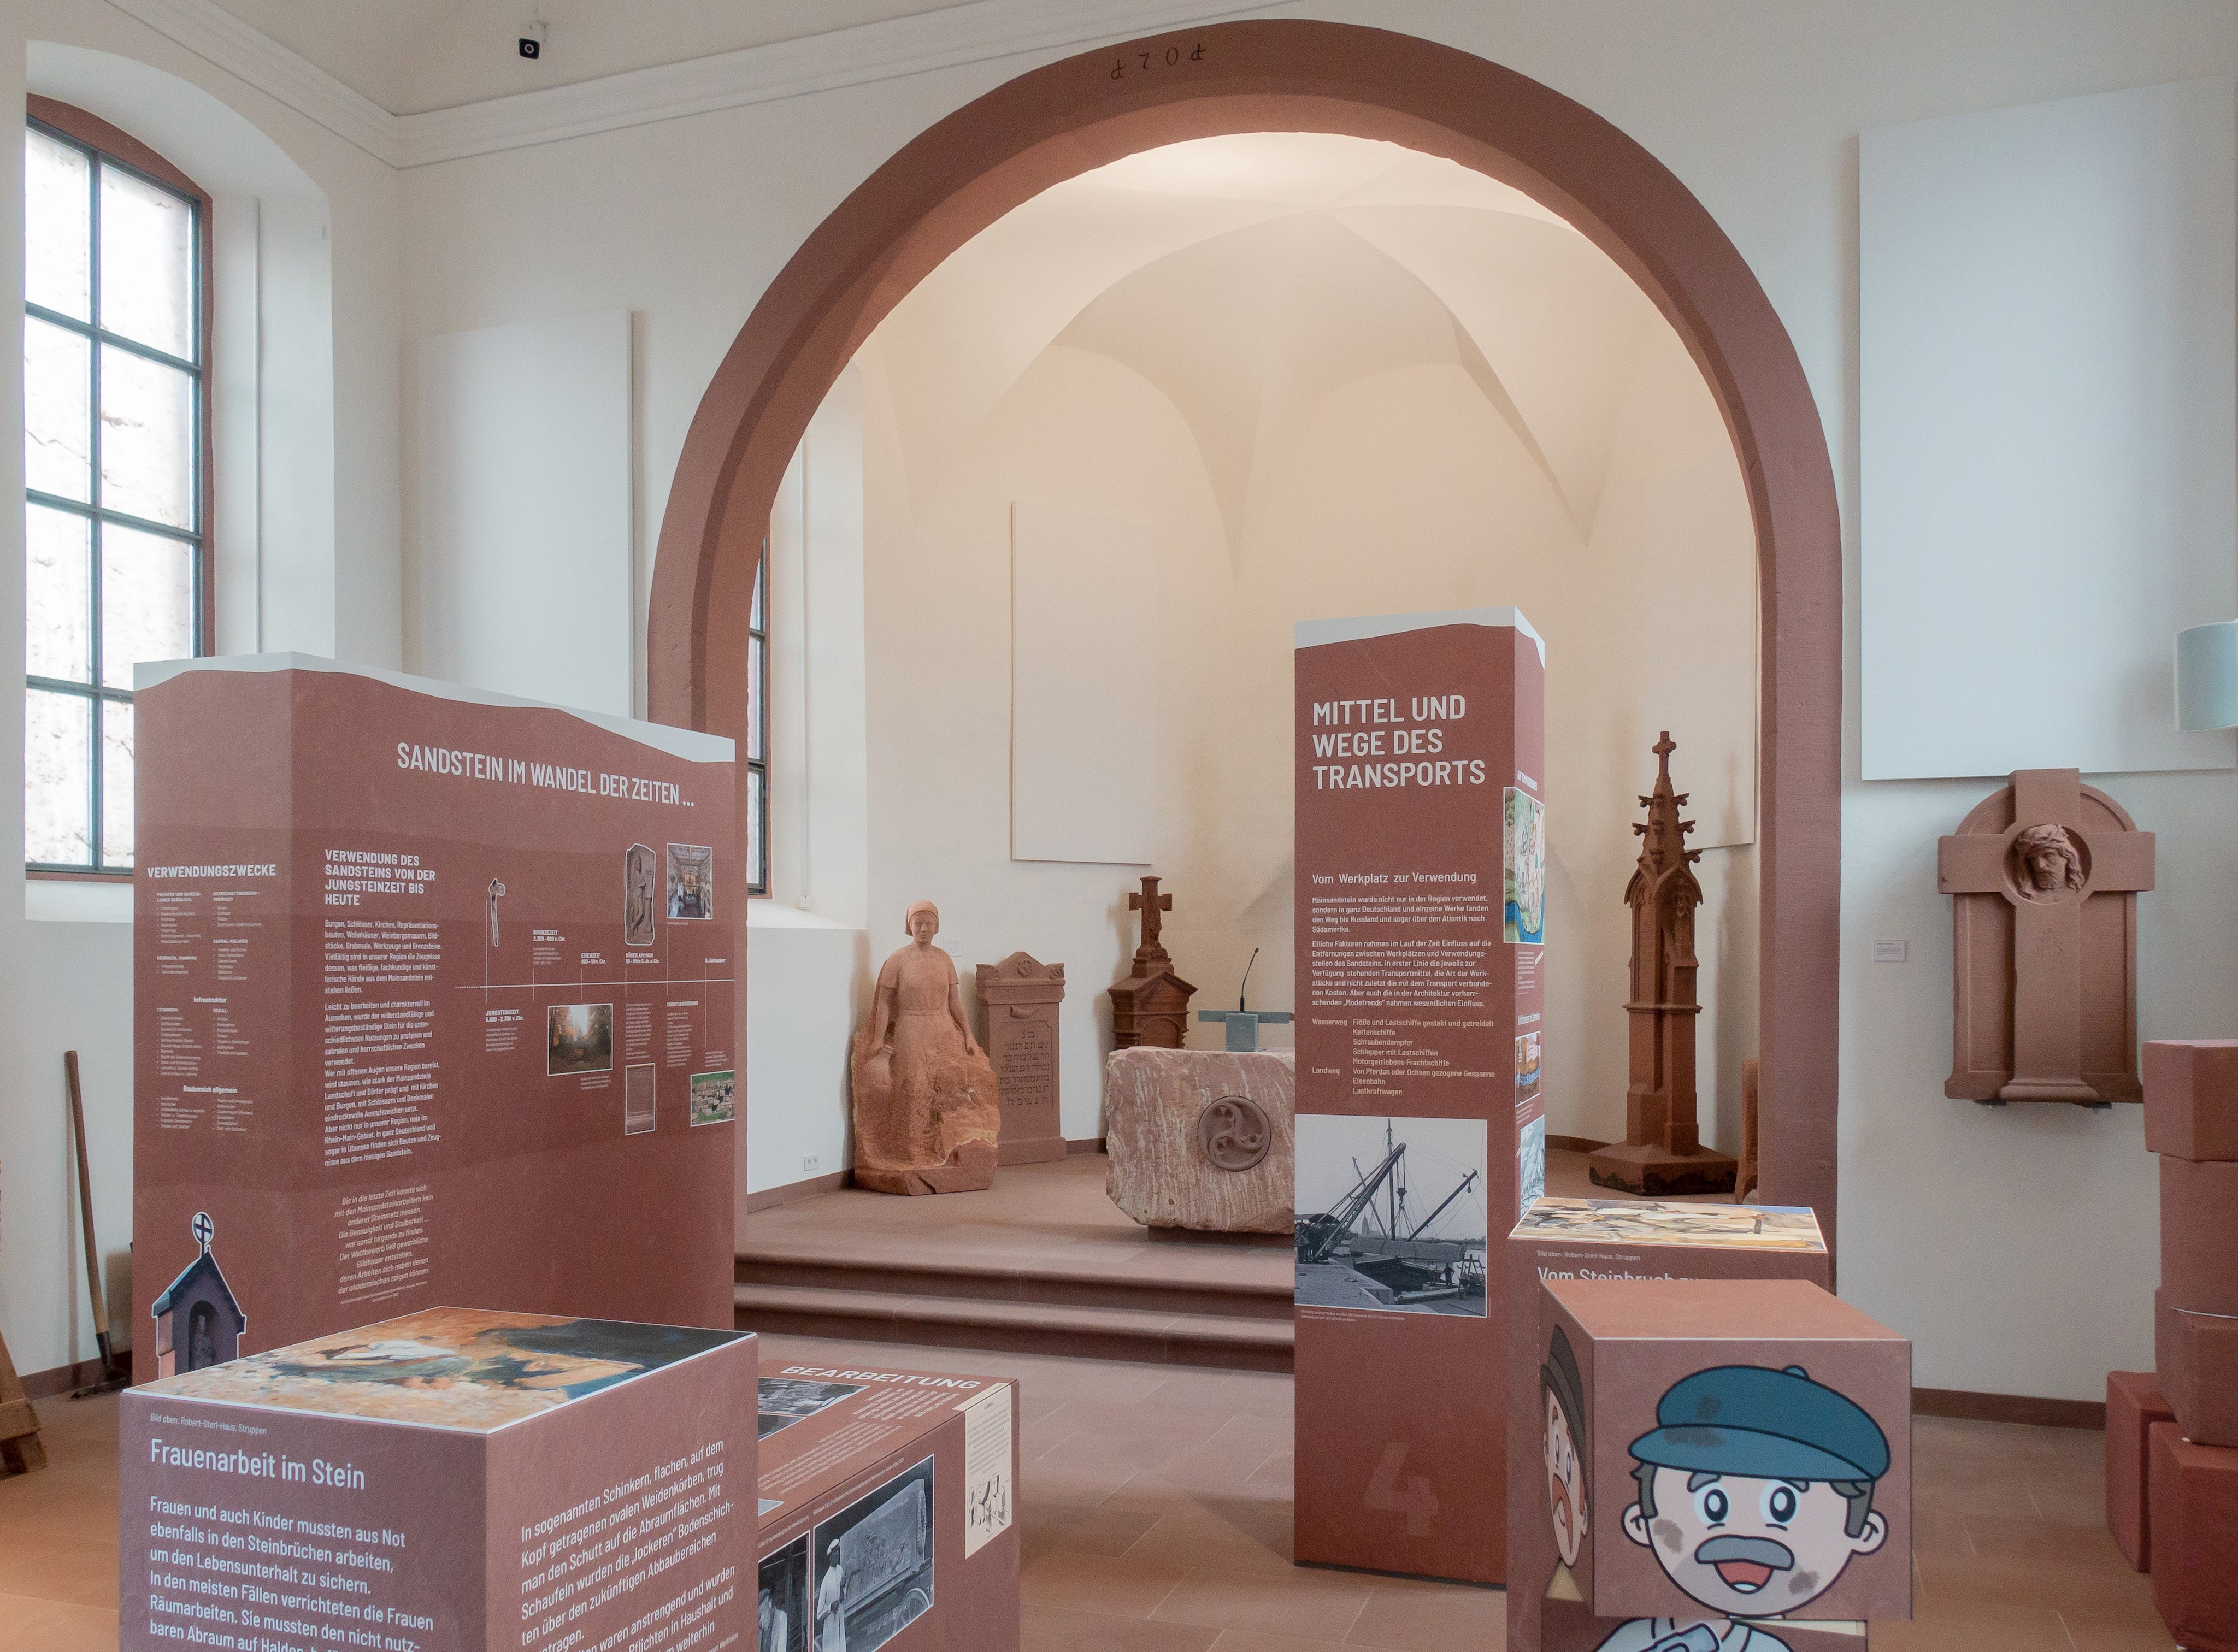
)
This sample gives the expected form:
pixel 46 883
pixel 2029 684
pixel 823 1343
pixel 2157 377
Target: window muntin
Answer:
pixel 115 435
pixel 757 879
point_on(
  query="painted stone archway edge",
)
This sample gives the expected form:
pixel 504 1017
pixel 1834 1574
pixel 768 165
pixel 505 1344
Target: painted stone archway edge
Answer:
pixel 1057 121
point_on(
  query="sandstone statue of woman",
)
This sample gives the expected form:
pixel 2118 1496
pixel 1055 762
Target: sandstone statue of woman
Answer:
pixel 926 1115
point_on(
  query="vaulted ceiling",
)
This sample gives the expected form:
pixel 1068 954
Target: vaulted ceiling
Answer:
pixel 1248 276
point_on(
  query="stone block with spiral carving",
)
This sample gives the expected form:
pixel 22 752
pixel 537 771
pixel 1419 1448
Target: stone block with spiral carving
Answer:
pixel 1202 1139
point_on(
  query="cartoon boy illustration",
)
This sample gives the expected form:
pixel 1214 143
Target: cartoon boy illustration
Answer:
pixel 1755 1489
pixel 1562 1443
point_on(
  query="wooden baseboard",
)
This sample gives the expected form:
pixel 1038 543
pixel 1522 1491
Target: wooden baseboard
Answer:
pixel 1576 1143
pixel 1094 1144
pixel 2008 1408
pixel 63 1379
pixel 793 1192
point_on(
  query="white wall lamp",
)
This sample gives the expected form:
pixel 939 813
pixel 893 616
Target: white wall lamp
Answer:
pixel 2207 677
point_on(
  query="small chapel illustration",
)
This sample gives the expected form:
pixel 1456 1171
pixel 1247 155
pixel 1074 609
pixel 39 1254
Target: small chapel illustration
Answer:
pixel 197 1321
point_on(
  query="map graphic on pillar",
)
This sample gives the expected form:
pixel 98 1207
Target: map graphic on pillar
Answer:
pixel 927 1111
pixel 197 1322
pixel 1151 1005
pixel 1523 860
pixel 2045 874
pixel 1662 1151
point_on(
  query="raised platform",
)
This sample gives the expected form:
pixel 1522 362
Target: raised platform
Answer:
pixel 1041 1262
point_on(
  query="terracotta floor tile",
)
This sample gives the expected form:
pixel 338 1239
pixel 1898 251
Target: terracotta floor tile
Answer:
pixel 30 1624
pixel 1093 1531
pixel 1045 1629
pixel 2055 1542
pixel 2128 1634
pixel 1310 1605
pixel 1431 1618
pixel 2093 1590
pixel 1973 1628
pixel 1233 1538
pixel 51 1563
pixel 1066 1480
pixel 1117 1585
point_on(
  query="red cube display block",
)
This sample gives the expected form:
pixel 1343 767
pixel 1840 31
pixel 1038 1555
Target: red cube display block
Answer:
pixel 1746 1447
pixel 2133 1405
pixel 889 1502
pixel 2199 1214
pixel 2197 1354
pixel 2194 1518
pixel 2191 1097
pixel 454 1480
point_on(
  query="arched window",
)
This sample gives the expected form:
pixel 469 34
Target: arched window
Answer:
pixel 117 467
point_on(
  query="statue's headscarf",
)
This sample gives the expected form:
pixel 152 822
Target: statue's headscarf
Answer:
pixel 908 918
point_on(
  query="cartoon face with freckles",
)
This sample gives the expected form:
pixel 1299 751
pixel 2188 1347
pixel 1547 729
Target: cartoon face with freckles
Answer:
pixel 1750 1548
pixel 1757 1489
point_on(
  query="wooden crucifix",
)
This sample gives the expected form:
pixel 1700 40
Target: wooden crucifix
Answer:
pixel 1150 955
pixel 2046 874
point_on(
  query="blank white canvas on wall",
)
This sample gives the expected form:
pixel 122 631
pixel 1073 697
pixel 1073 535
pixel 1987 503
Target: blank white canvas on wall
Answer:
pixel 526 546
pixel 2047 299
pixel 1083 687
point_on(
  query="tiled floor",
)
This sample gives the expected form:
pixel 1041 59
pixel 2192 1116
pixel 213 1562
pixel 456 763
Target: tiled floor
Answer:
pixel 1155 1507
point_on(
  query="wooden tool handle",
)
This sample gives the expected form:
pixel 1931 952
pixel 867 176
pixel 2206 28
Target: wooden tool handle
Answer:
pixel 85 1198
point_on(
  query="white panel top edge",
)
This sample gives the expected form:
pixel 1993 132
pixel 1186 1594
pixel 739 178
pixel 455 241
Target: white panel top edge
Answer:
pixel 1313 633
pixel 690 745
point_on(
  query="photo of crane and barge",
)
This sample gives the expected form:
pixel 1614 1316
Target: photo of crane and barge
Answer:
pixel 1390 1214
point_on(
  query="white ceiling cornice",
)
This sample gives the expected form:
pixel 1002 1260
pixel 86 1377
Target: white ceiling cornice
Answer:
pixel 887 51
pixel 211 32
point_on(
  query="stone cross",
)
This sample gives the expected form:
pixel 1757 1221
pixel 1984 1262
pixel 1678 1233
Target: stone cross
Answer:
pixel 2041 852
pixel 1150 904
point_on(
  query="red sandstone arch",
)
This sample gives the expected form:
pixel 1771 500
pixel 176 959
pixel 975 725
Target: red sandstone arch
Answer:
pixel 1057 121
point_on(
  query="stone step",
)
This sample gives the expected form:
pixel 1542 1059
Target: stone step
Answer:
pixel 1148 1336
pixel 1244 1284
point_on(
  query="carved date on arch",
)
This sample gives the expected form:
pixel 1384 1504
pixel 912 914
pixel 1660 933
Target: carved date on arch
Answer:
pixel 1141 62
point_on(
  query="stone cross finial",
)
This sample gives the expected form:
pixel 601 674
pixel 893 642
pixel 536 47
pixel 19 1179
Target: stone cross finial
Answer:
pixel 1150 904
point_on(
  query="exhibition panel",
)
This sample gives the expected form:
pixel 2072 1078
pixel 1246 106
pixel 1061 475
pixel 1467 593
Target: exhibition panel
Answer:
pixel 449 1481
pixel 1549 1491
pixel 889 1502
pixel 433 990
pixel 1421 923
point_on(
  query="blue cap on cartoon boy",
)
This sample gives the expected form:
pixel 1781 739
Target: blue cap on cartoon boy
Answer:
pixel 1755 1488
pixel 1764 1424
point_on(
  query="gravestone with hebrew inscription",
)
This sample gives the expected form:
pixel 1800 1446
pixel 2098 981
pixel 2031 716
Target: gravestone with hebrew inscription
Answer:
pixel 1023 996
pixel 2045 874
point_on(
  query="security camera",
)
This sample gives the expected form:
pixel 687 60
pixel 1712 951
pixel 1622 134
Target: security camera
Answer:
pixel 531 39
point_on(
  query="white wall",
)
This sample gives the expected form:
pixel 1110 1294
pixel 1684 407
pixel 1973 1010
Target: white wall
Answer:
pixel 1956 1218
pixel 1756 105
pixel 808 958
pixel 522 559
pixel 306 433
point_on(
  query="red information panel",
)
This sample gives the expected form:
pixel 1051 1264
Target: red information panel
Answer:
pixel 1421 925
pixel 432 1001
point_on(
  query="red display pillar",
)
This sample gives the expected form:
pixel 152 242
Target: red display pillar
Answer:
pixel 433 998
pixel 1421 895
